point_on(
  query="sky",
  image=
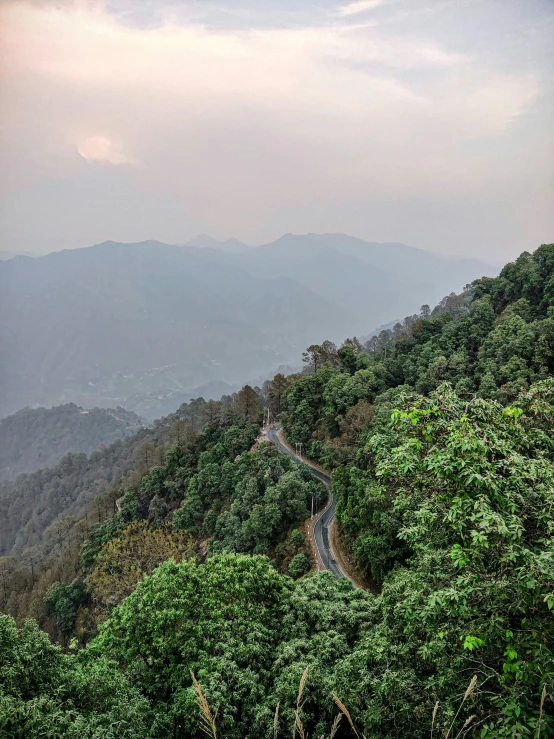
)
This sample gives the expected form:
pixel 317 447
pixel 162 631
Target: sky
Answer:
pixel 428 122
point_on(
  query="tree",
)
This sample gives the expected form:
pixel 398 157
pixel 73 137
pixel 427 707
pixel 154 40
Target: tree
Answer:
pixel 222 620
pixel 145 455
pixel 347 359
pixel 329 352
pixel 276 393
pixel 157 511
pixel 126 560
pixel 425 312
pixel 353 344
pixel 46 693
pixel 196 412
pixel 64 601
pixel 248 403
pixel 317 355
pixel 356 421
pixel 296 538
pixel 299 565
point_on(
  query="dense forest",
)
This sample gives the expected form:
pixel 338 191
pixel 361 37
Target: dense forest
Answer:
pixel 35 438
pixel 34 505
pixel 190 604
pixel 39 509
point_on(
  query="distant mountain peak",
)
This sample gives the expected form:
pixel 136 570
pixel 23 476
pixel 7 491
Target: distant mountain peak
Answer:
pixel 203 241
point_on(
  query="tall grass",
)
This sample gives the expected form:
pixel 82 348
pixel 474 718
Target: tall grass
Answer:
pixel 207 718
pixel 298 731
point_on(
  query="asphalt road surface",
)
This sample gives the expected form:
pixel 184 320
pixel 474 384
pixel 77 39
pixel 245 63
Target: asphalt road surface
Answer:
pixel 321 530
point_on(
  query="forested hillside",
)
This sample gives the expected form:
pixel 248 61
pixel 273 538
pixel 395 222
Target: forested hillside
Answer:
pixel 40 437
pixel 438 434
pixel 38 510
pixel 494 347
pixel 210 489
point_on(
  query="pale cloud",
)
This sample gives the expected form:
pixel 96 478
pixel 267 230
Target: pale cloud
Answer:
pixel 308 69
pixel 236 129
pixel 102 149
pixel 360 6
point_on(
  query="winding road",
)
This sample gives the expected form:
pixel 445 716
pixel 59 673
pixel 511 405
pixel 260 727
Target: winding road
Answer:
pixel 323 523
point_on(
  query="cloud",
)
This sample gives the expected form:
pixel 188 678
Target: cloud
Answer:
pixel 360 6
pixel 102 149
pixel 236 127
pixel 142 85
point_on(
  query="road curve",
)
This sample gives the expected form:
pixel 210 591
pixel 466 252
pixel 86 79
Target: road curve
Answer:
pixel 321 528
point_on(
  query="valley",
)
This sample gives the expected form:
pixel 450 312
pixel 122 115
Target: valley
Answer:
pixel 435 437
pixel 149 326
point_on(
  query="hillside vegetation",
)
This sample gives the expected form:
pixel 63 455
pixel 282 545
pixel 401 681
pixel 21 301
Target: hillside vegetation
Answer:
pixel 41 437
pixel 438 434
pixel 38 510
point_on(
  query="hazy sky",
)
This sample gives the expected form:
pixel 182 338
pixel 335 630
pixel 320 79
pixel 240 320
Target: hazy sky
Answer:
pixel 424 121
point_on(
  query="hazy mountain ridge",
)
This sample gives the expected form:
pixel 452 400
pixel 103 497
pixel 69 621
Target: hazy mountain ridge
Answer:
pixel 34 438
pixel 375 282
pixel 5 254
pixel 116 324
pixel 60 494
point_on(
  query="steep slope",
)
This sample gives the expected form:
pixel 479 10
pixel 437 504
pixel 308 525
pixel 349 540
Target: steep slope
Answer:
pixel 30 504
pixel 496 348
pixel 40 437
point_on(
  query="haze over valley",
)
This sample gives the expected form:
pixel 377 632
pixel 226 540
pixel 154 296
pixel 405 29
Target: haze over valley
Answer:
pixel 147 326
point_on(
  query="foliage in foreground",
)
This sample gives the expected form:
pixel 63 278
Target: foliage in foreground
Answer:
pixel 471 487
pixel 45 693
pixel 468 488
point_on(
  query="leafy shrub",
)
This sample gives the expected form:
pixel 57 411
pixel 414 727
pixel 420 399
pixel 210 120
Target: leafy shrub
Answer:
pixel 299 565
pixel 296 538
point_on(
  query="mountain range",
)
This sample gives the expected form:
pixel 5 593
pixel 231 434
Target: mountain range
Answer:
pixel 33 439
pixel 146 325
